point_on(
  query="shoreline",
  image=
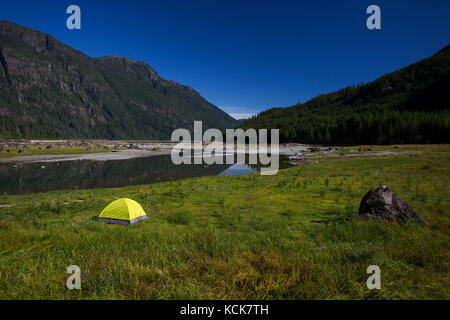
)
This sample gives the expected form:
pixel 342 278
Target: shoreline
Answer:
pixel 97 156
pixel 105 150
pixel 96 150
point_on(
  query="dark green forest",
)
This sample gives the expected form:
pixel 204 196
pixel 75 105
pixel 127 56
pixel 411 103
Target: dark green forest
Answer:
pixel 411 105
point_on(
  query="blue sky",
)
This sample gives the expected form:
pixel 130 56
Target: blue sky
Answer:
pixel 247 56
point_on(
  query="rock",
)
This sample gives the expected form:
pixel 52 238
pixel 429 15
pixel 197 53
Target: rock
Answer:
pixel 297 156
pixel 382 203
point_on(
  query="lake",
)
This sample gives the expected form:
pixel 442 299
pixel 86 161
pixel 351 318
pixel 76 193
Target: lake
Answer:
pixel 86 174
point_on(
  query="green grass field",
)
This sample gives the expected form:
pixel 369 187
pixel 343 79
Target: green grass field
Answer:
pixel 294 235
pixel 36 150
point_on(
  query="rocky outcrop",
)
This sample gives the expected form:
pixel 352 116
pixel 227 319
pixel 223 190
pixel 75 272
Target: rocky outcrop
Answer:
pixel 381 203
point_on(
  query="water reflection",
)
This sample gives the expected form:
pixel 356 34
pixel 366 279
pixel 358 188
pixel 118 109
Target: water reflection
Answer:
pixel 86 174
pixel 239 169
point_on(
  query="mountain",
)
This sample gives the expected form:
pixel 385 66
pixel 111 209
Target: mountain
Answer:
pixel 50 90
pixel 411 105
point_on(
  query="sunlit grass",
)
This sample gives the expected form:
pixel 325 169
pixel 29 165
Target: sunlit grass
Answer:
pixel 42 150
pixel 291 236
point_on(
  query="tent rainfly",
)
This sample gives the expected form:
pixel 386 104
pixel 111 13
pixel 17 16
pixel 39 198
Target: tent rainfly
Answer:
pixel 122 211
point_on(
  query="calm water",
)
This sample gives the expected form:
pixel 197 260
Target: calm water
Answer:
pixel 86 174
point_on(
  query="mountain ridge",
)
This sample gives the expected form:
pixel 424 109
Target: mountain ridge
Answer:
pixel 409 105
pixel 51 90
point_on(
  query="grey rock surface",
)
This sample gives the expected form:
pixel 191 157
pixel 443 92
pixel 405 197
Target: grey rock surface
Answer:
pixel 381 203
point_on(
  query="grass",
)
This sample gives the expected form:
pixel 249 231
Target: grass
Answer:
pixel 42 150
pixel 294 235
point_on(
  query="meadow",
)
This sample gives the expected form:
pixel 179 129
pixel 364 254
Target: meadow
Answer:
pixel 8 152
pixel 295 235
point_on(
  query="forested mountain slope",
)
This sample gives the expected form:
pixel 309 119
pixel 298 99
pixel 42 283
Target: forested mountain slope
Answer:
pixel 50 90
pixel 411 105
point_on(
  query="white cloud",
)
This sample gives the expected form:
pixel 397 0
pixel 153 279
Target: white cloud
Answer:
pixel 239 112
pixel 240 116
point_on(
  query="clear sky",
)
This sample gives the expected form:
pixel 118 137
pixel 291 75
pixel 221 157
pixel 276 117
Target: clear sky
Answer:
pixel 246 56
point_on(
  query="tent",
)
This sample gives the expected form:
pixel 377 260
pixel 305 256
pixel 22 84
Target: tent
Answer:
pixel 122 211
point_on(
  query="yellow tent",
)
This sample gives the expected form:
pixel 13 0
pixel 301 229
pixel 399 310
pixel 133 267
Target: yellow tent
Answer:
pixel 122 211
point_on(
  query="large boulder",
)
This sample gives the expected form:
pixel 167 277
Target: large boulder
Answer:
pixel 381 203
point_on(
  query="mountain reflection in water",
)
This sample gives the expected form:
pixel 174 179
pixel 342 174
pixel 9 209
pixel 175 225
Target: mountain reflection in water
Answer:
pixel 86 174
